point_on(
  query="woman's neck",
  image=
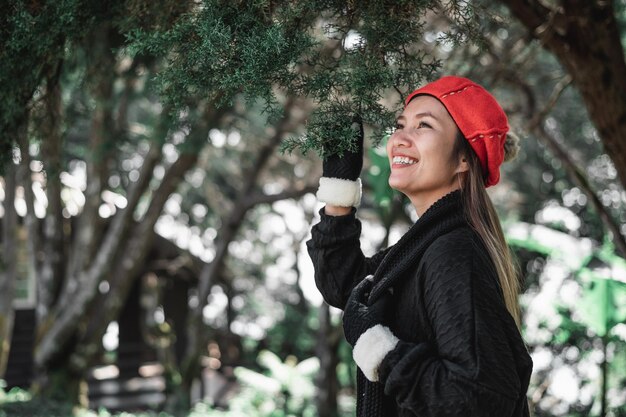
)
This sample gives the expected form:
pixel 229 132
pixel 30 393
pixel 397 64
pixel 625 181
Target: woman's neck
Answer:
pixel 423 201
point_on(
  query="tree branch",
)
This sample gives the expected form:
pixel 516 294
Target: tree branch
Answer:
pixel 538 118
pixel 230 226
pixel 580 179
pixel 130 256
pixel 538 18
pixel 262 198
pixel 241 205
pixel 63 324
pixel 576 175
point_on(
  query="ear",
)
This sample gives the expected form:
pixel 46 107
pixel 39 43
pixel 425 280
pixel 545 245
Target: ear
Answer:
pixel 462 166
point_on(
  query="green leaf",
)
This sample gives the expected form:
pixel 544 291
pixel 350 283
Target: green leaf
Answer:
pixel 603 304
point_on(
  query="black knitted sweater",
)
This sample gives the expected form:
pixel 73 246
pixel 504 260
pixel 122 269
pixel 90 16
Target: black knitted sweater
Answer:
pixel 460 353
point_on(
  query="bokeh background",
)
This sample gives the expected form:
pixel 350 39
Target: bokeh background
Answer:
pixel 159 164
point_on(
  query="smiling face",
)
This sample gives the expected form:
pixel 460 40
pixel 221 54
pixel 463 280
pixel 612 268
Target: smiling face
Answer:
pixel 420 153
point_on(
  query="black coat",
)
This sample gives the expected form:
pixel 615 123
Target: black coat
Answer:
pixel 460 352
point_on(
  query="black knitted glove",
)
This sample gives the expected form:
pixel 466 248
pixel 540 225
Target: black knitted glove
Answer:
pixel 340 184
pixel 359 317
pixel 349 165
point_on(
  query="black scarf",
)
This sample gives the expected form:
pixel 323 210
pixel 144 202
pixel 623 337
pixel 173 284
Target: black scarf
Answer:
pixel 445 215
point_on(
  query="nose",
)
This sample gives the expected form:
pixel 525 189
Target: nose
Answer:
pixel 399 139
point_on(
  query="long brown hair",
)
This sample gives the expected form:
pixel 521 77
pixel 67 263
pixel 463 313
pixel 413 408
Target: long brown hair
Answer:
pixel 482 217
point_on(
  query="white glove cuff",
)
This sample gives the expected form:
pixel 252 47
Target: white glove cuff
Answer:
pixel 339 192
pixel 371 348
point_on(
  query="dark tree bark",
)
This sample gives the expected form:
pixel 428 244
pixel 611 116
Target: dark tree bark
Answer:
pixel 102 139
pixel 33 234
pixel 585 38
pixel 327 352
pixel 53 243
pixel 8 265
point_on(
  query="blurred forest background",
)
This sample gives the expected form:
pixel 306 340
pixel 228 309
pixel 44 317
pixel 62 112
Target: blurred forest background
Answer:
pixel 159 163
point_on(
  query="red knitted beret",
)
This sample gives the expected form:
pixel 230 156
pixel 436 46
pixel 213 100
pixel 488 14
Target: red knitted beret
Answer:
pixel 478 116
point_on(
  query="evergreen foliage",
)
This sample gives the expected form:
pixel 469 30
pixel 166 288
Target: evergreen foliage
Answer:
pixel 346 57
pixel 37 37
pixel 32 40
pixel 343 56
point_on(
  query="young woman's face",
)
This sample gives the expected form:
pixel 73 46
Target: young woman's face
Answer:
pixel 420 153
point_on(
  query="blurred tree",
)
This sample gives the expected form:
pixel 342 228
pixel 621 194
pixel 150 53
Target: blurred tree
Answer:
pixel 586 38
pixel 71 261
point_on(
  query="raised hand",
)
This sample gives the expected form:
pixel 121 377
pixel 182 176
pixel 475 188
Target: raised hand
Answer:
pixel 340 184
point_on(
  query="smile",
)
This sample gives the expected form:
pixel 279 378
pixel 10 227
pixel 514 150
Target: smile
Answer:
pixel 404 160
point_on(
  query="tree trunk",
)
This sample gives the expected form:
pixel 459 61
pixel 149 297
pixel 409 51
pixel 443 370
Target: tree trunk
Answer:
pixel 585 38
pixel 102 138
pixel 160 336
pixel 326 349
pixel 53 243
pixel 604 369
pixel 31 222
pixel 8 265
pixel 52 379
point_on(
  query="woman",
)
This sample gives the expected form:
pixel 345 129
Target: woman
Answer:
pixel 434 319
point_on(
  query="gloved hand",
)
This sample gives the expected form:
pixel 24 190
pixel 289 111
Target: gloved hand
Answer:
pixel 349 165
pixel 364 329
pixel 340 184
pixel 359 317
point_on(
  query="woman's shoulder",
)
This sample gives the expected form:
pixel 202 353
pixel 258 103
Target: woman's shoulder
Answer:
pixel 462 238
pixel 459 254
pixel 459 247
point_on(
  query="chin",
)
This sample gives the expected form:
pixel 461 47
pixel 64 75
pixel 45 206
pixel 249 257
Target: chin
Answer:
pixel 396 185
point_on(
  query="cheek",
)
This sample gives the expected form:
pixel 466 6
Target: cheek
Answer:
pixel 442 150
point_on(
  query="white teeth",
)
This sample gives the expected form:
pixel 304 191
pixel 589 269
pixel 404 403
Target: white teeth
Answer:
pixel 403 160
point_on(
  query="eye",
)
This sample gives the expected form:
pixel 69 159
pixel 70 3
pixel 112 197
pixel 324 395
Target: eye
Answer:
pixel 424 124
pixel 399 126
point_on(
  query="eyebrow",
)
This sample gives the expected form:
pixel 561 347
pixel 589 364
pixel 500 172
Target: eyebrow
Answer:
pixel 418 115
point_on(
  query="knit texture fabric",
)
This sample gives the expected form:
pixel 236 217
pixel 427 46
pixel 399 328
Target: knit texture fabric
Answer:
pixel 370 397
pixel 478 116
pixel 459 351
pixel 442 217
